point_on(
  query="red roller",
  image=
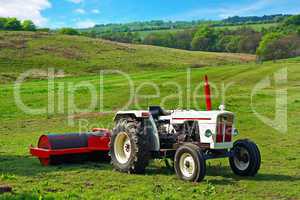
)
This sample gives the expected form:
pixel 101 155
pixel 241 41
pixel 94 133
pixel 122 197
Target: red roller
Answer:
pixel 207 94
pixel 55 148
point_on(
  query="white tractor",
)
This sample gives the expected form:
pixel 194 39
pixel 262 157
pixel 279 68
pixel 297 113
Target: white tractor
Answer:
pixel 189 137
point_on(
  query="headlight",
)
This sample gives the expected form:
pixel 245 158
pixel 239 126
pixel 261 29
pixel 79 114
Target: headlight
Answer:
pixel 208 133
pixel 235 132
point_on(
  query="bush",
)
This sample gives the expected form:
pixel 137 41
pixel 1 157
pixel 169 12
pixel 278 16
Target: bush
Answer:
pixel 68 31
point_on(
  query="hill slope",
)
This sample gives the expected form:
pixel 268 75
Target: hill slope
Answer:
pixel 277 179
pixel 20 51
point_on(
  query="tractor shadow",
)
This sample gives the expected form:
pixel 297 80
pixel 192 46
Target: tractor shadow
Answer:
pixel 224 176
pixel 229 177
pixel 29 166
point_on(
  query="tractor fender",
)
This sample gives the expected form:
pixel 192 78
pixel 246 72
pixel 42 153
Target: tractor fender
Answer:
pixel 151 126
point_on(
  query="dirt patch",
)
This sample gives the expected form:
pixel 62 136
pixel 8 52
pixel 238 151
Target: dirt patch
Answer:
pixel 70 52
pixel 197 65
pixel 13 44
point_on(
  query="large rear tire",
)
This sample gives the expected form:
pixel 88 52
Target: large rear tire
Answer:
pixel 129 146
pixel 189 163
pixel 246 160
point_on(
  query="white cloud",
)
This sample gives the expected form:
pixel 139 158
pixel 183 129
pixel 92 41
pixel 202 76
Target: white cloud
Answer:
pixel 95 11
pixel 80 11
pixel 29 9
pixel 85 24
pixel 76 1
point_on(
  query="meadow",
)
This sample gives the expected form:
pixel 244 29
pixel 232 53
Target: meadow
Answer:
pixel 278 178
pixel 77 56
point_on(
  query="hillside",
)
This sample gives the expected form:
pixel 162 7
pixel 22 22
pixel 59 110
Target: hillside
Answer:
pixel 257 27
pixel 160 25
pixel 20 51
pixel 277 179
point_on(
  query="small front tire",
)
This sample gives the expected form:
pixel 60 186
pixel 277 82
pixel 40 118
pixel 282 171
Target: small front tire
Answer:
pixel 189 163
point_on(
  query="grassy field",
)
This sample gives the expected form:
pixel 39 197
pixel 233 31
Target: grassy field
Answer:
pixel 81 59
pixel 76 55
pixel 279 177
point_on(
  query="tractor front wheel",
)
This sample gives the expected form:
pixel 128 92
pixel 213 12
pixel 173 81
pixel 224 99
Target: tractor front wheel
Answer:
pixel 189 163
pixel 246 159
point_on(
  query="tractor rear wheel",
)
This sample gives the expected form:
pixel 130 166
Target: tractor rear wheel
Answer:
pixel 189 163
pixel 246 160
pixel 129 146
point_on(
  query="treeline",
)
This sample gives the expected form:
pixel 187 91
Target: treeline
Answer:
pixel 169 25
pixel 281 41
pixel 255 19
pixel 13 24
pixel 143 26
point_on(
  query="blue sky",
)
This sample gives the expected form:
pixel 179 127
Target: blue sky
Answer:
pixel 86 13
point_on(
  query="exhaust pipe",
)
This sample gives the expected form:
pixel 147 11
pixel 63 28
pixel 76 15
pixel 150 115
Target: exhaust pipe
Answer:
pixel 207 94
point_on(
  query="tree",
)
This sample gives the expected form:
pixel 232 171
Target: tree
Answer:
pixel 13 24
pixel 287 46
pixel 183 39
pixel 249 39
pixel 28 25
pixel 265 50
pixel 68 31
pixel 228 43
pixel 204 39
pixel 165 39
pixel 293 20
pixel 2 23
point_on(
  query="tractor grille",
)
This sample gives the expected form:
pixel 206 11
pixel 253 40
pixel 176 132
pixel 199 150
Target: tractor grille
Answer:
pixel 224 128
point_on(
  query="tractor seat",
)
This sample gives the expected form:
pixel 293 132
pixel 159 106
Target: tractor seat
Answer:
pixel 157 111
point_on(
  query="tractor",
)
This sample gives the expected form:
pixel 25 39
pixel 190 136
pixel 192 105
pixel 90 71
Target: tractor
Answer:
pixel 188 137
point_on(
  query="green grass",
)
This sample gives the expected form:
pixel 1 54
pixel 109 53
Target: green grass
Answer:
pixel 278 178
pixel 75 55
